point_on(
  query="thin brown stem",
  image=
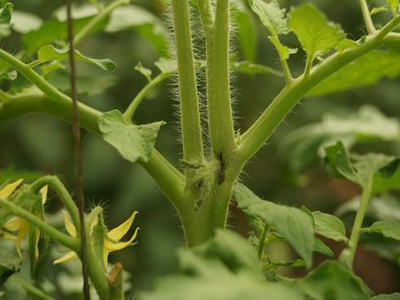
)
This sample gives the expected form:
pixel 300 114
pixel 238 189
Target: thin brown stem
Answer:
pixel 78 152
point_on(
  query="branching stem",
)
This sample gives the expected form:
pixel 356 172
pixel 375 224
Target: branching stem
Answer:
pixel 253 139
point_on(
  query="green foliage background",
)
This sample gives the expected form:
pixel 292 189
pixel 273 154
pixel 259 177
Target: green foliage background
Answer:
pixel 45 144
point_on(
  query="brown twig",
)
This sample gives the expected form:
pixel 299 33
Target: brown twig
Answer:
pixel 78 151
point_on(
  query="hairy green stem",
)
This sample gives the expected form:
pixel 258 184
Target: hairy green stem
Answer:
pixel 57 235
pixel 369 24
pixel 130 111
pixel 220 119
pixel 189 106
pixel 62 192
pixel 253 139
pixel 206 15
pixel 88 28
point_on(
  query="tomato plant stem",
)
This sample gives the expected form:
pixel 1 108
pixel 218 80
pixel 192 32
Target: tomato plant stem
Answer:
pixel 192 141
pixel 355 233
pixel 369 24
pixel 67 241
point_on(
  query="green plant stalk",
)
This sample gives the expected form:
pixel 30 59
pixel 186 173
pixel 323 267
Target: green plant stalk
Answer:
pixel 30 288
pixel 286 71
pixel 261 246
pixel 220 121
pixel 57 235
pixel 206 15
pixel 87 29
pixel 309 63
pixel 170 180
pixel 355 233
pixel 96 271
pixel 254 138
pixel 199 226
pixel 62 192
pixel 192 140
pixel 130 111
pixel 369 24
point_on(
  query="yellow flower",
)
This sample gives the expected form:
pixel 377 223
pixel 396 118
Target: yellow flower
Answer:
pixel 111 239
pixel 9 189
pixel 17 224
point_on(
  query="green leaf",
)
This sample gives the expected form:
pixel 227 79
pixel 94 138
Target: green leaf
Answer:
pixel 357 168
pixel 329 226
pixel 368 124
pixel 333 281
pixel 389 229
pixel 24 22
pixel 294 224
pixel 377 10
pixel 50 53
pixel 395 296
pixel 5 13
pixel 166 66
pixel 87 83
pixel 54 31
pixel 225 267
pixel 316 35
pixel 320 247
pixel 144 71
pixel 133 142
pixel 271 16
pixel 246 67
pixel 137 18
pixel 9 261
pixel 81 11
pixel 365 70
pixel 244 28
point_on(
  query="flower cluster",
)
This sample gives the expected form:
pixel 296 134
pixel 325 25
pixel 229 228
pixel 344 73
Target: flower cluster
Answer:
pixel 17 224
